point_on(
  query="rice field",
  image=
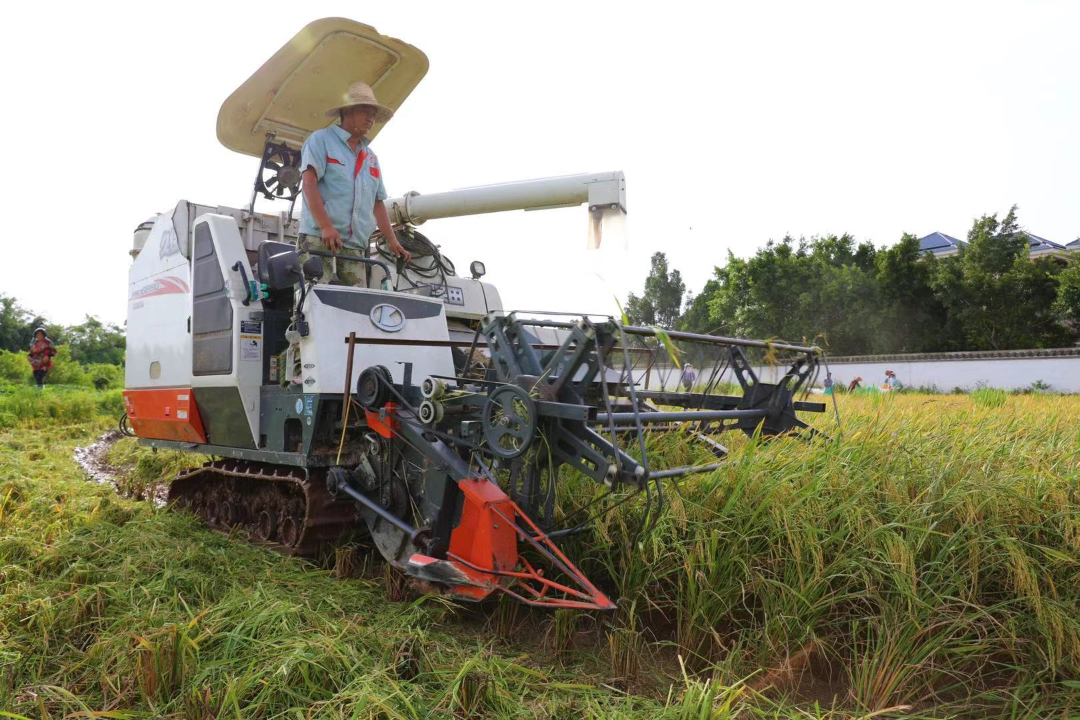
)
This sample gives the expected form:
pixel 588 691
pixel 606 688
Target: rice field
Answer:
pixel 924 564
pixel 23 407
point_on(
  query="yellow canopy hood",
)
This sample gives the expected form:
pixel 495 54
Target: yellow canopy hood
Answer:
pixel 290 94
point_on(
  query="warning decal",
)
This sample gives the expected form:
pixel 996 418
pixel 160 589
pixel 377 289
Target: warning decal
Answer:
pixel 251 348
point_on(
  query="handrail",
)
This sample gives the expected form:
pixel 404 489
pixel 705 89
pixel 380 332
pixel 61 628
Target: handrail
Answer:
pixel 353 258
pixel 243 276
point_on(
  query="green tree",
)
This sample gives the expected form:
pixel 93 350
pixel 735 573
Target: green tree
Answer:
pixel 639 311
pixel 822 289
pixel 1067 305
pixel 854 299
pixel 12 320
pixel 696 317
pixel 17 326
pixel 93 341
pixel 760 296
pixel 913 318
pixel 995 296
pixel 661 301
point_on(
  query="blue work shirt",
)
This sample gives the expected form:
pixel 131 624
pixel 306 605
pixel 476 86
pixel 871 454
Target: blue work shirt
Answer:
pixel 349 183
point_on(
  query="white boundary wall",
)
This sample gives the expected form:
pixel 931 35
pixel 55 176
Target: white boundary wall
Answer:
pixel 1062 374
pixel 1018 370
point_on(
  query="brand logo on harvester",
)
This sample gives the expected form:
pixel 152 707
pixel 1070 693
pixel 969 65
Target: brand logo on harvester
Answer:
pixel 162 286
pixel 387 317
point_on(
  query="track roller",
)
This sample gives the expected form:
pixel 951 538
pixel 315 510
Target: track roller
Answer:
pixel 288 509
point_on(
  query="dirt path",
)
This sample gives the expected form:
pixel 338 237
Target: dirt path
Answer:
pixel 91 458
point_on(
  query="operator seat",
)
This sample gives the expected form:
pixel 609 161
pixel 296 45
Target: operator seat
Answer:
pixel 267 249
pixel 280 300
pixel 277 309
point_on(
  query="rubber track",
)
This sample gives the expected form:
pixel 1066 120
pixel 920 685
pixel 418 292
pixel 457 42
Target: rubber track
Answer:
pixel 325 520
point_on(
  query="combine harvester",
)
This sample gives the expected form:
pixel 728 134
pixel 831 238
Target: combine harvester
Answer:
pixel 421 413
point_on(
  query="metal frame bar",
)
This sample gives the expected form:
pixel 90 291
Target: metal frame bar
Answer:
pixel 257 455
pixel 679 416
pixel 379 510
pixel 681 471
pixel 552 373
pixel 680 335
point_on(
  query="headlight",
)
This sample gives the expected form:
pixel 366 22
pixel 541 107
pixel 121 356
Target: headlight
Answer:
pixel 477 269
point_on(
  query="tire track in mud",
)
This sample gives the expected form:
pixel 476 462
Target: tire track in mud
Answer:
pixel 92 459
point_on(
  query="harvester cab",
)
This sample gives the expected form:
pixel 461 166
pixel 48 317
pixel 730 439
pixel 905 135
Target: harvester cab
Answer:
pixel 415 409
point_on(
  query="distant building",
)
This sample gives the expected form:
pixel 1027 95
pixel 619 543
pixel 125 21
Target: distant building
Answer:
pixel 939 244
pixel 1041 246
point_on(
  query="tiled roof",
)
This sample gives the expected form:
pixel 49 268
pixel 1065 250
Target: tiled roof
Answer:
pixel 1039 243
pixel 936 242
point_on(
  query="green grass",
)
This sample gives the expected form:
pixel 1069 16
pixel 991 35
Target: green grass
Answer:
pixel 928 560
pixel 27 407
pixel 989 397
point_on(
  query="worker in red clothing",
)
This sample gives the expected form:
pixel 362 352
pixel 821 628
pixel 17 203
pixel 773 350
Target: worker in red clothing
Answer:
pixel 41 354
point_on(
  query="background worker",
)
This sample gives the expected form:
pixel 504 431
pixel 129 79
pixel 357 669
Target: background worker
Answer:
pixel 41 354
pixel 689 375
pixel 343 187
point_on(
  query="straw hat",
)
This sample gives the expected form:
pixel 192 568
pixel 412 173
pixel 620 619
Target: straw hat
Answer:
pixel 360 93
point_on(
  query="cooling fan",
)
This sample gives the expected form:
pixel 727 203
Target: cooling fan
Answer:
pixel 279 172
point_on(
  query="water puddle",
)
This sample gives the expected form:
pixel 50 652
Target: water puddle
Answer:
pixel 91 458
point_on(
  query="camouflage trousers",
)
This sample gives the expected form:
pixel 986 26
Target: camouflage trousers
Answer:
pixel 335 272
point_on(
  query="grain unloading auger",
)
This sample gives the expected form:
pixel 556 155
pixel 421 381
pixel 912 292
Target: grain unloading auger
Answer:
pixel 420 414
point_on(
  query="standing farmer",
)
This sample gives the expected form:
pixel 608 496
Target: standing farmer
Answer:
pixel 41 355
pixel 343 185
pixel 689 375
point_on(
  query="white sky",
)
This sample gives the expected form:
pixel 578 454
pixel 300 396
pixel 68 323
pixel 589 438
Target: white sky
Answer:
pixel 734 123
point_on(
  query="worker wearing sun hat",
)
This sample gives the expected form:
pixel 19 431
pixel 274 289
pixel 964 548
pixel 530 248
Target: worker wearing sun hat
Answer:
pixel 343 184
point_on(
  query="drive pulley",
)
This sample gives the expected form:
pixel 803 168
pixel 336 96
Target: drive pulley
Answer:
pixel 373 387
pixel 509 421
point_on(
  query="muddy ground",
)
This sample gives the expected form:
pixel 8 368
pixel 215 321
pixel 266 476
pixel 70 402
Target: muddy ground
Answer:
pixel 93 459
